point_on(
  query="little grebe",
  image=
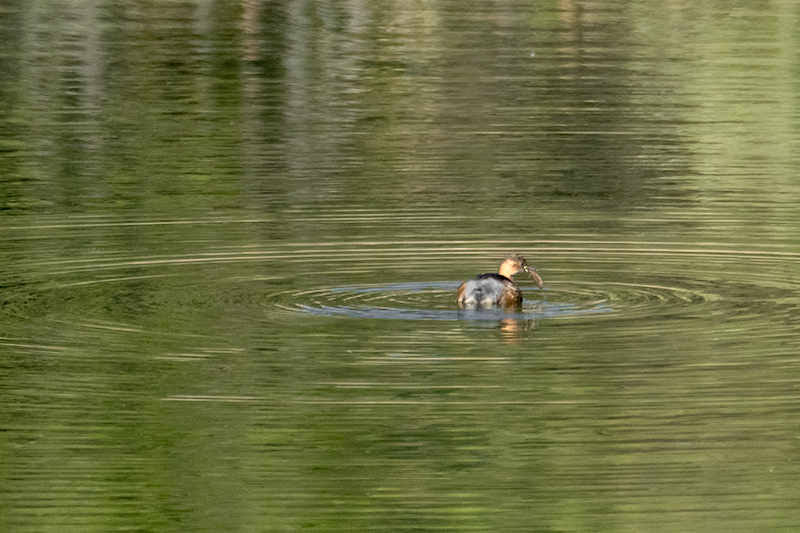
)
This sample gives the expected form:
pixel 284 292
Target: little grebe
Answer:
pixel 497 290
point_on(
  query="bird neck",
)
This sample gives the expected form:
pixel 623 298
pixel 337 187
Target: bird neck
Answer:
pixel 508 269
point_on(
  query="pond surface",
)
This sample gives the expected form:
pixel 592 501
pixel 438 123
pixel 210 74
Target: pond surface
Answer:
pixel 232 235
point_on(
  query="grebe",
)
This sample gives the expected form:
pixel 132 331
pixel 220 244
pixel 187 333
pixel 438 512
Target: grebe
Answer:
pixel 497 290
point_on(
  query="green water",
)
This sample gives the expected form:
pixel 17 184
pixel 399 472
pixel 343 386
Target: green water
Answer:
pixel 232 234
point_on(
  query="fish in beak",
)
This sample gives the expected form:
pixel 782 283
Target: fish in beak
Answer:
pixel 535 276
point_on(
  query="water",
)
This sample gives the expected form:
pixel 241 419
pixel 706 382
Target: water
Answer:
pixel 232 235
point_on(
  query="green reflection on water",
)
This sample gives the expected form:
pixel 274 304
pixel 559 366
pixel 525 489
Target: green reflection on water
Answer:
pixel 182 183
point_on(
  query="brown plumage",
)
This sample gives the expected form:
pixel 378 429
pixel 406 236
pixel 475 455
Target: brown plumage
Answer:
pixel 497 290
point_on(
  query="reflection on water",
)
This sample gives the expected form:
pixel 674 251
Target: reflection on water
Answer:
pixel 232 237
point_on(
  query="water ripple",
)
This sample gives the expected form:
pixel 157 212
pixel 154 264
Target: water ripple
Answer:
pixel 436 301
pixel 584 280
